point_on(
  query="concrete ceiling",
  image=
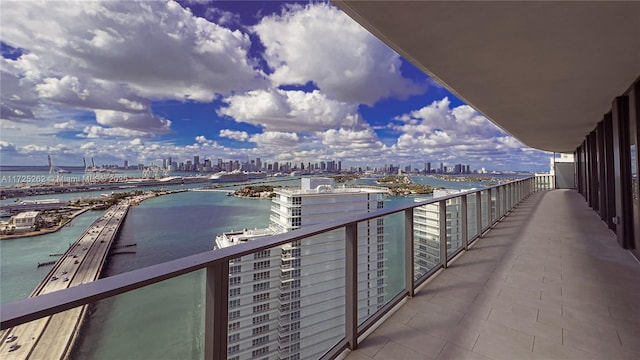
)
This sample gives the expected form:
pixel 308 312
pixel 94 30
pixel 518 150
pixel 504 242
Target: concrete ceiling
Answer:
pixel 546 72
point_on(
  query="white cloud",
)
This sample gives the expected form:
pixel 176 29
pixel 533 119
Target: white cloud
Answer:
pixel 276 138
pixel 161 49
pixel 136 142
pixel 235 135
pixel 93 132
pixel 438 132
pixel 292 110
pixel 140 122
pixel 7 146
pixel 67 125
pixel 321 44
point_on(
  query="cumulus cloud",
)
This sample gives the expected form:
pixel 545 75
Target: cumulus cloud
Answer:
pixel 93 132
pixel 275 138
pixel 351 139
pixel 438 132
pixel 7 146
pixel 67 125
pixel 235 135
pixel 139 122
pixel 291 110
pixel 159 48
pixel 321 44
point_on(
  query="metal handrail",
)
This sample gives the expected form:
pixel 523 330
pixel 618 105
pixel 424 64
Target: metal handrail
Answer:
pixel 22 311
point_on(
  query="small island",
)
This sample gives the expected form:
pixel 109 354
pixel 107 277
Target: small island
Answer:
pixel 256 192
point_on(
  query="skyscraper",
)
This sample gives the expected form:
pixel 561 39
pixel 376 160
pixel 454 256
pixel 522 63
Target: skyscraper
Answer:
pixel 267 317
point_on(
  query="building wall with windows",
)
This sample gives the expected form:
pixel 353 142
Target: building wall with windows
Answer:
pixel 289 303
pixel 426 220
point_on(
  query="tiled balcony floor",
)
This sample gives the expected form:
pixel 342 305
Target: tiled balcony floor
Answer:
pixel 548 282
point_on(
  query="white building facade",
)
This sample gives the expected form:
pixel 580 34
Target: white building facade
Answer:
pixel 288 302
pixel 426 229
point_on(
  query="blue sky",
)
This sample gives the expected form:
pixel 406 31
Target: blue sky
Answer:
pixel 142 81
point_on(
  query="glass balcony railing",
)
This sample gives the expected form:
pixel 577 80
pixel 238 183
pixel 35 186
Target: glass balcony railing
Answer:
pixel 345 277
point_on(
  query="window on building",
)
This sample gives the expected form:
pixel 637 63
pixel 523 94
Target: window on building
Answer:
pixel 234 280
pixel 234 326
pixel 261 265
pixel 261 275
pixel 234 349
pixel 261 286
pixel 260 297
pixel 262 254
pixel 234 314
pixel 260 308
pixel 235 269
pixel 234 292
pixel 234 303
pixel 260 352
pixel 234 338
pixel 260 330
pixel 260 319
pixel 261 340
pixel 296 200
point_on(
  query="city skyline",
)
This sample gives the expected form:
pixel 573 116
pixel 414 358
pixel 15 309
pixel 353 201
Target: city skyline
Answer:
pixel 226 80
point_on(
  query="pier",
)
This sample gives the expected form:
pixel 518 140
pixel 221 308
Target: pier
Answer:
pixel 53 337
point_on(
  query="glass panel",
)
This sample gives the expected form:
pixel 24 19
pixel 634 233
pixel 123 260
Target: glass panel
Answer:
pixel 494 214
pixel 426 238
pixel 288 301
pixel 485 209
pixel 472 228
pixel 380 263
pixel 454 225
pixel 160 321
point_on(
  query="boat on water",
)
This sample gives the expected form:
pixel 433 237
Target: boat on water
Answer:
pixel 236 176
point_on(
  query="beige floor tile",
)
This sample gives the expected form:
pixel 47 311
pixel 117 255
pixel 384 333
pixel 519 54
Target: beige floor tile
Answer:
pixel 454 352
pixel 545 349
pixel 393 350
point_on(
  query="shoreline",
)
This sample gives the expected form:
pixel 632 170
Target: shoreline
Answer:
pixel 45 231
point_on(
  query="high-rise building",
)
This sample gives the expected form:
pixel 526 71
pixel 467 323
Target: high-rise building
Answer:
pixel 267 316
pixel 427 229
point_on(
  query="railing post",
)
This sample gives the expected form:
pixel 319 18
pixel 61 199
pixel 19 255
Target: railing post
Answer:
pixel 442 225
pixel 216 311
pixel 489 214
pixel 498 203
pixel 351 285
pixel 479 213
pixel 408 252
pixel 463 223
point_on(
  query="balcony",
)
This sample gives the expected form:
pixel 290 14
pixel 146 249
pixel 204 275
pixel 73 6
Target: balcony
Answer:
pixel 547 282
pixel 543 279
